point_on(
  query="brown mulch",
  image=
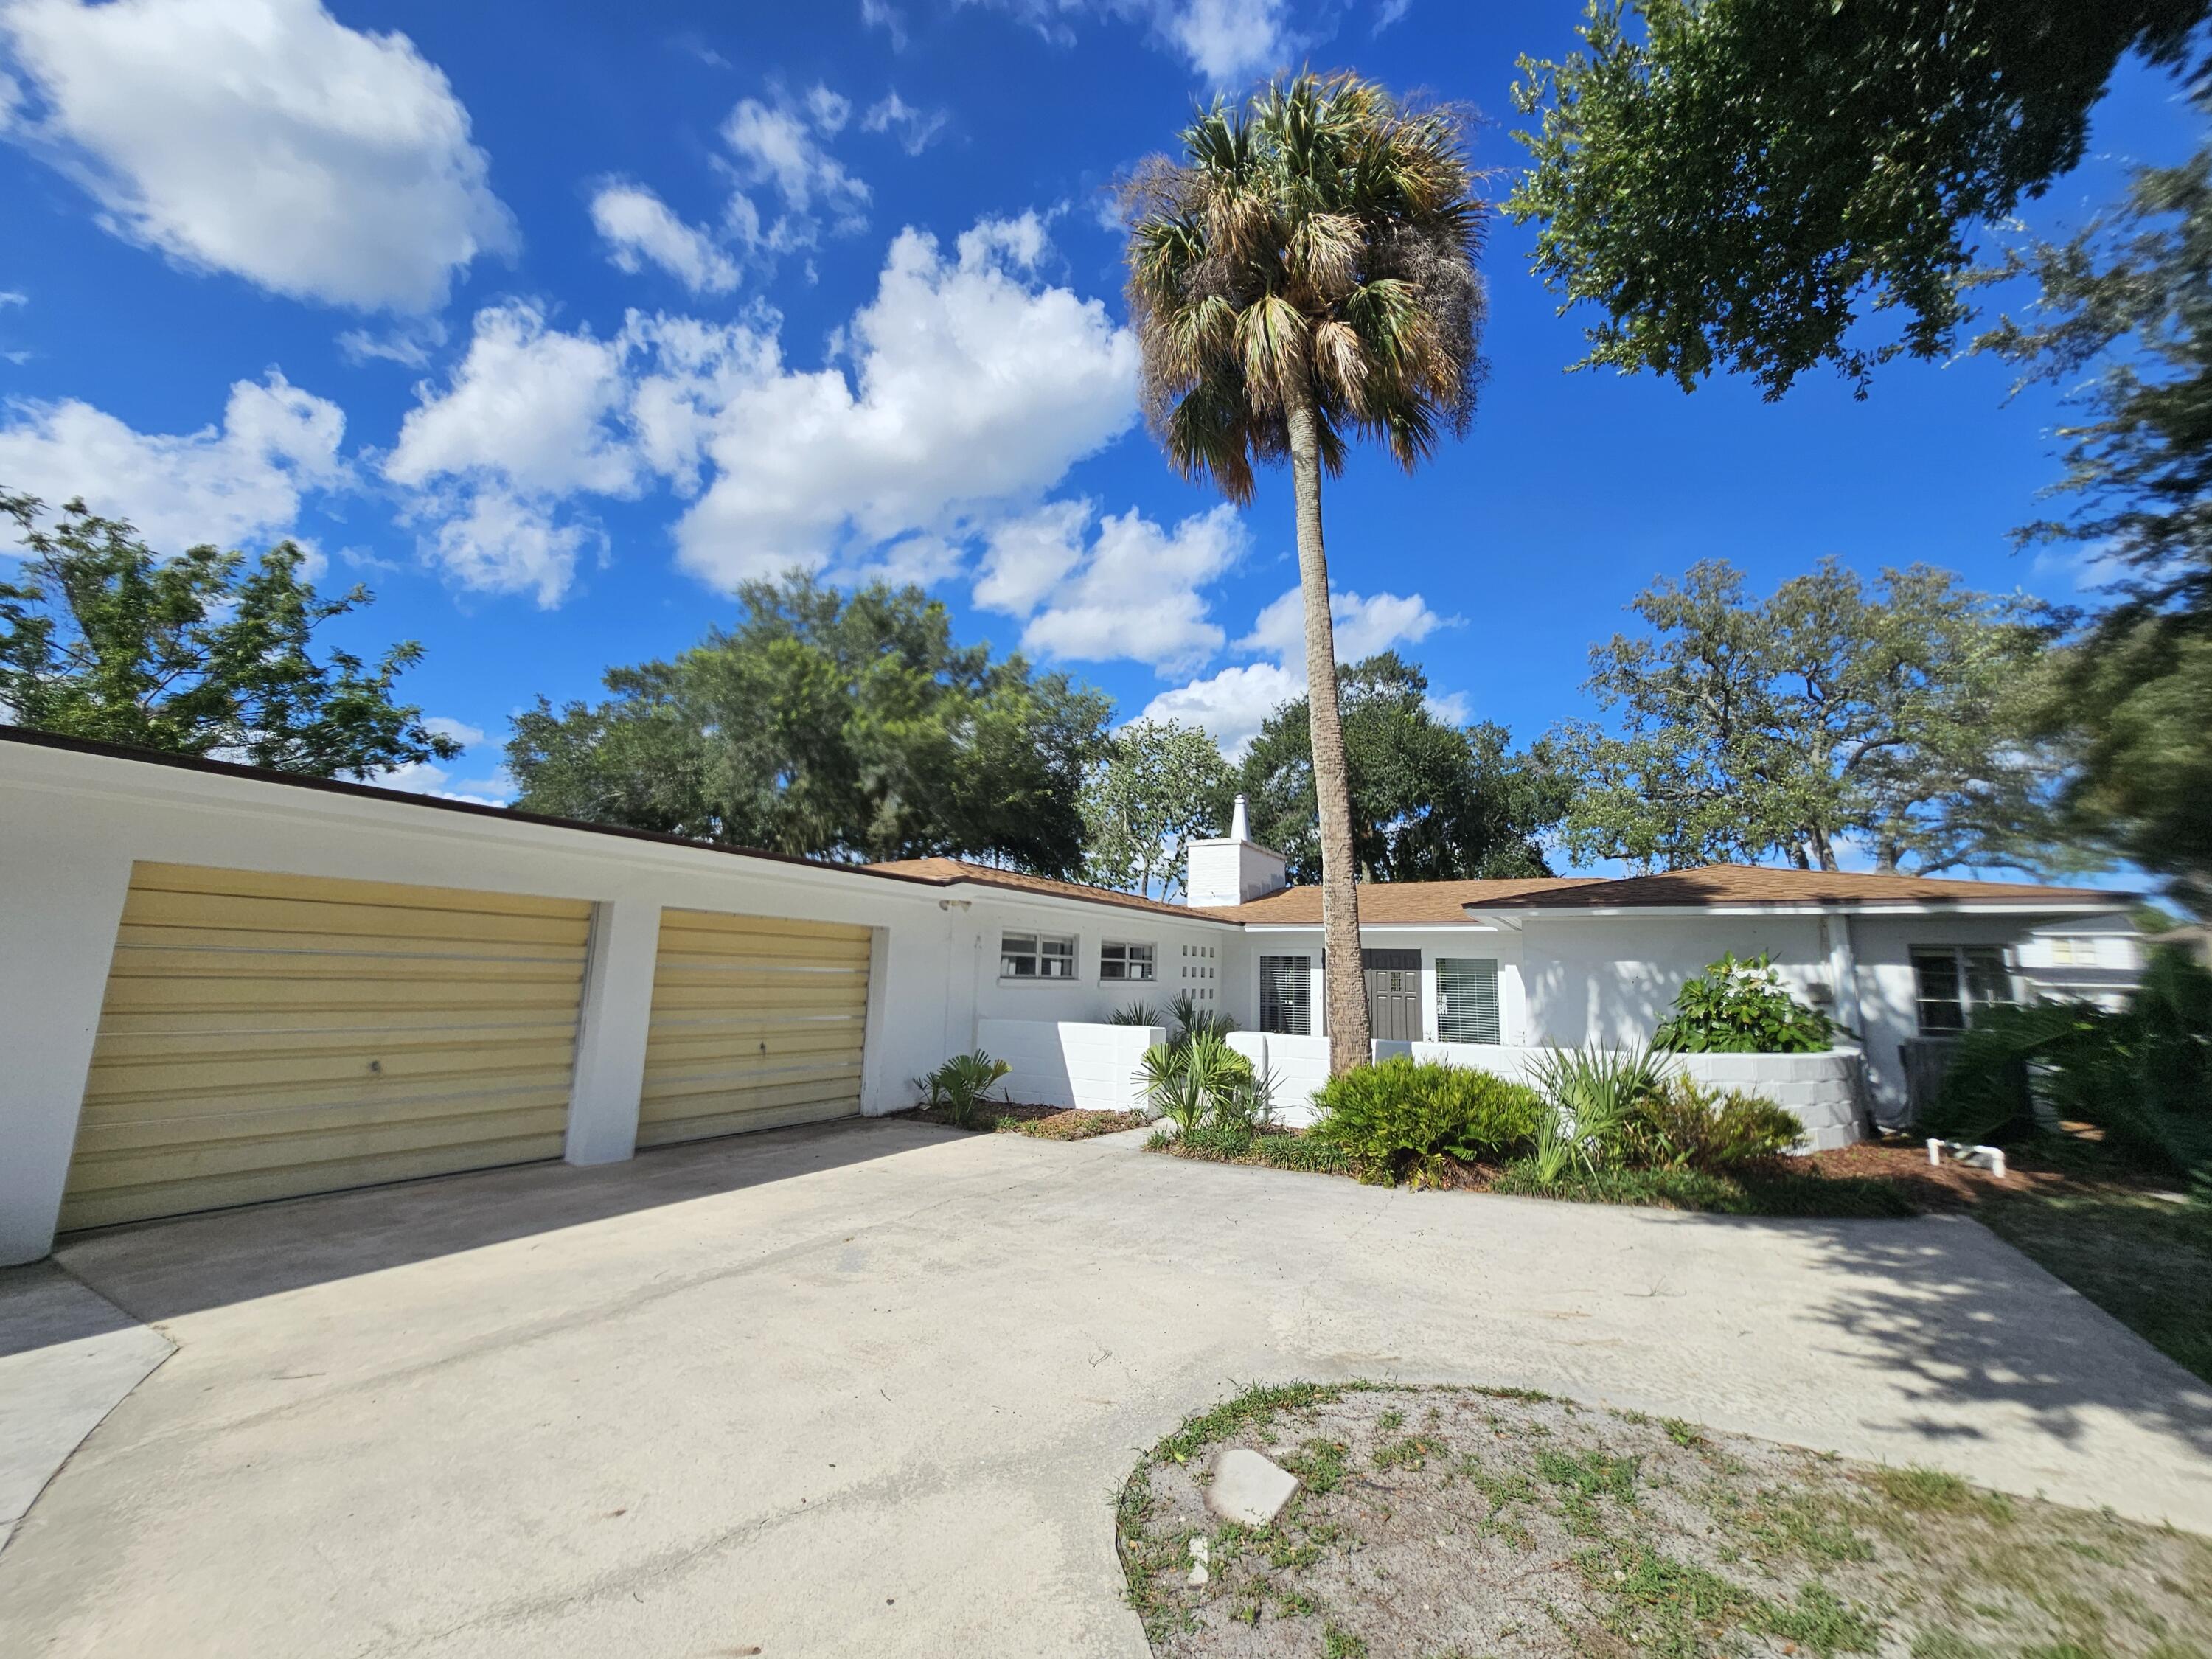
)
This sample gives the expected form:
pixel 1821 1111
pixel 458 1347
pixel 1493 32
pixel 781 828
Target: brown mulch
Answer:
pixel 1953 1187
pixel 1043 1123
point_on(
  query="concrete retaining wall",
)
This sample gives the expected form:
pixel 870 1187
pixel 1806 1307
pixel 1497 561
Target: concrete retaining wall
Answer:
pixel 1067 1063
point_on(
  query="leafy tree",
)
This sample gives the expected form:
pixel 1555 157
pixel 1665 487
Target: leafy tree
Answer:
pixel 201 655
pixel 838 726
pixel 1159 788
pixel 1736 181
pixel 1305 276
pixel 1430 801
pixel 1900 717
pixel 2127 303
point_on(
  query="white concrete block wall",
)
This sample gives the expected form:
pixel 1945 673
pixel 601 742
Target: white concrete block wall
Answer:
pixel 1300 1065
pixel 1069 1063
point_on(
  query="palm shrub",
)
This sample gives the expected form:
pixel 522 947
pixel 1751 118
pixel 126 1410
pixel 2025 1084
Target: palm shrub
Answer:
pixel 1190 1018
pixel 1593 1096
pixel 959 1085
pixel 1399 1118
pixel 2142 1074
pixel 1137 1013
pixel 1303 277
pixel 1740 1008
pixel 1198 1078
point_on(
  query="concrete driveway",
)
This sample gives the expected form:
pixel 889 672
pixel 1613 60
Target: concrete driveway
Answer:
pixel 870 1390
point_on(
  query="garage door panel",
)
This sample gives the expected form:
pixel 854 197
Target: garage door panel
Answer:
pixel 757 1022
pixel 140 995
pixel 314 1076
pixel 268 1036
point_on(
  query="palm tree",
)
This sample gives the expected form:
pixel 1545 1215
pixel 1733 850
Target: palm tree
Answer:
pixel 1304 277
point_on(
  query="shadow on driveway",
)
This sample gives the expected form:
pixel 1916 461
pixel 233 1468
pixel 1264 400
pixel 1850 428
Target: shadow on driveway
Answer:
pixel 233 1256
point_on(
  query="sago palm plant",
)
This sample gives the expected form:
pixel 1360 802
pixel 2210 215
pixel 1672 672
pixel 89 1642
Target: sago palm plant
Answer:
pixel 1304 277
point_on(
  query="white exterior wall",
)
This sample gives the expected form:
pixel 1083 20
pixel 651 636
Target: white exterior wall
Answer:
pixel 1610 980
pixel 76 822
pixel 1092 1067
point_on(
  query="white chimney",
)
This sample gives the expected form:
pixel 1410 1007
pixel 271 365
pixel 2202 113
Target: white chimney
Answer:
pixel 1234 868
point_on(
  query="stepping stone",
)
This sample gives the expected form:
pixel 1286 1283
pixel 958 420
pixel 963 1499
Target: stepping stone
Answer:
pixel 1249 1488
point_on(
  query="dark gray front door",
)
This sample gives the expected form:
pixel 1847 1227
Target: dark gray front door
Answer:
pixel 1393 994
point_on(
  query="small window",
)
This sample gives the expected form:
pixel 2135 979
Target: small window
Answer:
pixel 1036 955
pixel 1125 961
pixel 1950 982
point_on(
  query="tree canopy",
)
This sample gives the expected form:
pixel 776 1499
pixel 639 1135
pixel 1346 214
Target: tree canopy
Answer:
pixel 1739 184
pixel 1160 786
pixel 831 725
pixel 2125 319
pixel 1430 801
pixel 200 655
pixel 1898 716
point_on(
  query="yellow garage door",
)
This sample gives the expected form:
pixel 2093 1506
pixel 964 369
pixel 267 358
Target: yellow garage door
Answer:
pixel 268 1036
pixel 757 1022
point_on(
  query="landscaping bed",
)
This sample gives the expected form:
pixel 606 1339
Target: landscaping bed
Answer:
pixel 1464 1521
pixel 1044 1122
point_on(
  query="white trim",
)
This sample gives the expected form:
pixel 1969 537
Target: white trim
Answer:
pixel 1843 908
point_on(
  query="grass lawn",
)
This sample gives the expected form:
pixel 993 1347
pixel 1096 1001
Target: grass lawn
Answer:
pixel 1444 1523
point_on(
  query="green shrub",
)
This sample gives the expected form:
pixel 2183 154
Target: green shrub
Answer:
pixel 1137 1013
pixel 1399 1116
pixel 2144 1075
pixel 959 1085
pixel 1682 1125
pixel 1740 1008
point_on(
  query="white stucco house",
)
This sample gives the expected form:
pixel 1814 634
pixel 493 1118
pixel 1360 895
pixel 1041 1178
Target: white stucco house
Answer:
pixel 221 986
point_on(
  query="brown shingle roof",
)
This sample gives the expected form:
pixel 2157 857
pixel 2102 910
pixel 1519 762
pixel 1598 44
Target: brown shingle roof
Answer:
pixel 1382 902
pixel 941 869
pixel 1745 884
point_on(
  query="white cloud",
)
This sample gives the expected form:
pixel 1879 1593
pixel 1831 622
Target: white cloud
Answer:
pixel 1387 12
pixel 1227 40
pixel 236 485
pixel 914 129
pixel 776 145
pixel 531 416
pixel 494 541
pixel 1224 40
pixel 971 385
pixel 916 561
pixel 1131 592
pixel 1233 705
pixel 428 778
pixel 1364 626
pixel 830 110
pixel 537 408
pixel 880 15
pixel 639 229
pixel 11 297
pixel 264 139
pixel 408 343
pixel 459 730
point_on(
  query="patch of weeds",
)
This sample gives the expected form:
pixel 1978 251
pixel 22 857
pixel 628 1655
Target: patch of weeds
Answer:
pixel 1232 1144
pixel 1530 1397
pixel 1822 1622
pixel 1933 1491
pixel 1682 1434
pixel 1779 1192
pixel 1948 1645
pixel 1664 1606
pixel 1583 1479
pixel 1318 1464
pixel 1245 1612
pixel 1338 1643
pixel 1297 1604
pixel 1801 1524
pixel 1390 1420
pixel 1412 1452
pixel 1247 1410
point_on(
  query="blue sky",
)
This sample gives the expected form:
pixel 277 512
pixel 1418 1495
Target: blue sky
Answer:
pixel 550 321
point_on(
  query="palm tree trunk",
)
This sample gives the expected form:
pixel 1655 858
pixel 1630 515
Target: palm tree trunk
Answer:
pixel 1346 980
